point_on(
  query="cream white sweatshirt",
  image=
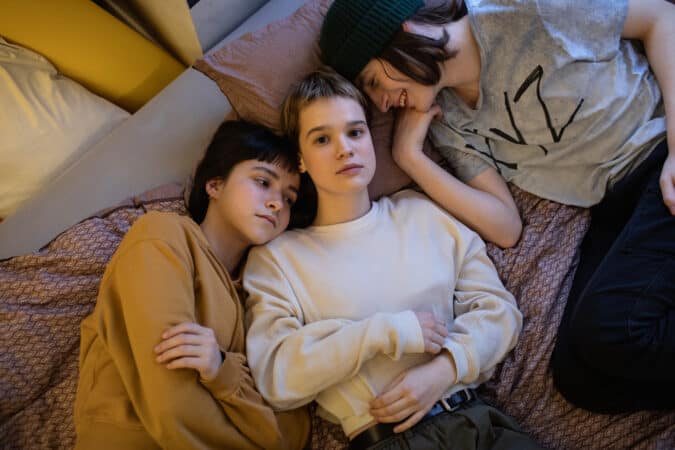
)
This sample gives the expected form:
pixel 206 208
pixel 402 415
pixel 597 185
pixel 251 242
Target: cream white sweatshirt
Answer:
pixel 330 308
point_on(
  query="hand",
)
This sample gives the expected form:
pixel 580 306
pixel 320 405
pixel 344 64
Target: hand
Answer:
pixel 434 331
pixel 190 346
pixel 412 394
pixel 410 131
pixel 667 182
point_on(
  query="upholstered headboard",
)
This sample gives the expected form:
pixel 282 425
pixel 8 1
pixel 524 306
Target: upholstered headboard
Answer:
pixel 159 144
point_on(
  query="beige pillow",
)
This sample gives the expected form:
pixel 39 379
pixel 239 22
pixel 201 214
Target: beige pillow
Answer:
pixel 47 122
pixel 256 71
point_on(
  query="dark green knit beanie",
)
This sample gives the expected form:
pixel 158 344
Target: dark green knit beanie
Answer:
pixel 355 31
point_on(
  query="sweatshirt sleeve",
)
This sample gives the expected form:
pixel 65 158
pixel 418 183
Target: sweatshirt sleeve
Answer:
pixel 487 321
pixel 150 288
pixel 291 361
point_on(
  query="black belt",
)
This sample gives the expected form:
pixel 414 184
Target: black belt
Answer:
pixel 382 431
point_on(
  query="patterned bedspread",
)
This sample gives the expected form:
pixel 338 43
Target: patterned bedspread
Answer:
pixel 45 295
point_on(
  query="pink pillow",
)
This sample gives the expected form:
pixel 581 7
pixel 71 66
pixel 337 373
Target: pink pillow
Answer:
pixel 256 71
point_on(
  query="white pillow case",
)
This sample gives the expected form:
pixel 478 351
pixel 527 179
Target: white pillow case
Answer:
pixel 47 122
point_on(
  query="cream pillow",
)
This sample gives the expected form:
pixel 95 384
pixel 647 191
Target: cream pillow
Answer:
pixel 47 122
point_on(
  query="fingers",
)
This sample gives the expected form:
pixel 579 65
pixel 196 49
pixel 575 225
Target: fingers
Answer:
pixel 668 193
pixel 667 181
pixel 436 112
pixel 433 341
pixel 179 340
pixel 434 332
pixel 180 352
pixel 187 363
pixel 411 422
pixel 391 394
pixel 396 411
pixel 185 327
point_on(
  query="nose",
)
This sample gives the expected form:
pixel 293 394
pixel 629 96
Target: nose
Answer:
pixel 344 149
pixel 274 203
pixel 383 103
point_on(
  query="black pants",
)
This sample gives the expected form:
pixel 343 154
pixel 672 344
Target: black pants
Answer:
pixel 475 426
pixel 615 350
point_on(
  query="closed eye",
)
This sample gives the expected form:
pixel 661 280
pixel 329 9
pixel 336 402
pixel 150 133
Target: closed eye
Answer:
pixel 290 201
pixel 262 181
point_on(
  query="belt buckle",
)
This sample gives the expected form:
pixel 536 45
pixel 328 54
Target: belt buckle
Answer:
pixel 449 408
pixel 446 406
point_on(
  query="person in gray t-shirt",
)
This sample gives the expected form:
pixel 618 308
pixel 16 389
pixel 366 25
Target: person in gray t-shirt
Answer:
pixel 566 100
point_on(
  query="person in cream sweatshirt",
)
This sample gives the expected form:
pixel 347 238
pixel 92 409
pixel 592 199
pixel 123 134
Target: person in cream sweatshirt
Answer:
pixel 378 309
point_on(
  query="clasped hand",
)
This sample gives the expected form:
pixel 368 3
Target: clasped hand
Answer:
pixel 190 346
pixel 412 394
pixel 667 183
pixel 409 133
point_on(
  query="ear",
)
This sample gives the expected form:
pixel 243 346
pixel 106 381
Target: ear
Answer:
pixel 420 29
pixel 213 187
pixel 302 167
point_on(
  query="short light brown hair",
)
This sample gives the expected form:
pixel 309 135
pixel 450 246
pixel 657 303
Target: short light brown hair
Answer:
pixel 322 83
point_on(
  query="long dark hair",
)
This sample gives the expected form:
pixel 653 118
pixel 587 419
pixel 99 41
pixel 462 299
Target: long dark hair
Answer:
pixel 235 142
pixel 420 57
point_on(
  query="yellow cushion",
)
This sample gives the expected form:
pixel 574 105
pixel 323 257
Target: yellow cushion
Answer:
pixel 92 47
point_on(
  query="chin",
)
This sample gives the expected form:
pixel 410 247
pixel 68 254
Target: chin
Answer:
pixel 261 238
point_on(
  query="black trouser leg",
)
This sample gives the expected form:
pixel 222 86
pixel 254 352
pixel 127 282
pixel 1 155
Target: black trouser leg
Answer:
pixel 615 350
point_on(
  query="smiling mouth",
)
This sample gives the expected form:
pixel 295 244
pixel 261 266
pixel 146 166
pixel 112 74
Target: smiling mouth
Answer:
pixel 403 99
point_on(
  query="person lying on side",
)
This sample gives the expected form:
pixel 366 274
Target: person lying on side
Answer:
pixel 162 361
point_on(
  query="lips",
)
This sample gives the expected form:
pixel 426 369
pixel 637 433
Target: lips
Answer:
pixel 349 168
pixel 269 219
pixel 403 99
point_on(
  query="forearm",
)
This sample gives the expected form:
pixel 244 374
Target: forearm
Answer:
pixel 660 47
pixel 292 366
pixel 487 321
pixel 651 21
pixel 492 218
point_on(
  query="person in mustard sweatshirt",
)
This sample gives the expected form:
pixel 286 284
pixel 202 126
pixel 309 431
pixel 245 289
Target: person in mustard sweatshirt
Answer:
pixel 162 361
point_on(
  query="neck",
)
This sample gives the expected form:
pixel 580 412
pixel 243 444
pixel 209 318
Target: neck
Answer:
pixel 462 72
pixel 341 208
pixel 225 245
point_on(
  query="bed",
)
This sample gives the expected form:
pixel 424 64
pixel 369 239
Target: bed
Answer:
pixel 54 249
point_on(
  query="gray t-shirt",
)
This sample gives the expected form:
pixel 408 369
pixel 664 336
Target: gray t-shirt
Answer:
pixel 566 107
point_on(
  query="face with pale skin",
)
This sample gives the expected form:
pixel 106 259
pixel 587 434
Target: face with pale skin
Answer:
pixel 336 146
pixel 253 205
pixel 389 88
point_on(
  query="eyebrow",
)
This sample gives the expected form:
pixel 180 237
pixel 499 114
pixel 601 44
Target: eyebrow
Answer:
pixel 274 175
pixel 323 127
pixel 268 171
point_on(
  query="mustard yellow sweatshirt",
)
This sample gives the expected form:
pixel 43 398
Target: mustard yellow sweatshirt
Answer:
pixel 162 274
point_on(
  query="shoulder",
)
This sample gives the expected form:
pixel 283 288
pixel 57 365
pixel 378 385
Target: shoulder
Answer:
pixel 410 200
pixel 166 227
pixel 416 207
pixel 161 224
pixel 276 249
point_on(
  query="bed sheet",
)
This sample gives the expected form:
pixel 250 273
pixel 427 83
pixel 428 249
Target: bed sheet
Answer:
pixel 46 294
